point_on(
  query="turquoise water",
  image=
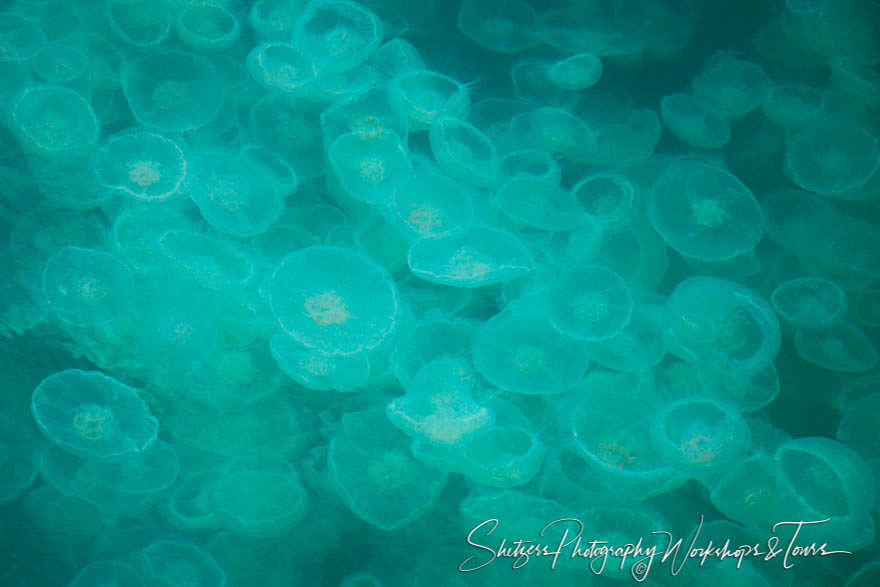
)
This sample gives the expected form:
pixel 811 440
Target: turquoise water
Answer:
pixel 466 292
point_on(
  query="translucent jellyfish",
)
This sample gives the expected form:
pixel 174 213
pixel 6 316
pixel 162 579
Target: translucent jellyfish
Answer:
pixel 534 162
pixel 338 34
pixel 396 57
pixel 259 499
pixel 181 563
pixel 692 121
pixel 842 348
pixel 284 126
pixel 281 67
pixel 753 492
pixel 859 424
pixel 699 434
pixel 828 477
pixel 503 26
pixel 20 38
pixel 172 91
pixel 704 212
pixel 531 201
pixel 234 377
pixel 141 164
pixel 429 204
pixel 609 197
pixel 87 287
pixel 93 416
pixel 150 471
pixel 189 506
pixel 367 166
pixel 207 27
pixel 211 262
pixel 274 20
pixel 470 257
pixel 532 84
pixel 60 63
pixel 347 303
pixel 856 250
pixel 503 456
pixel 626 138
pixel 102 573
pixel 812 302
pixel 640 345
pixel 54 121
pixel 319 371
pixel 577 72
pixel 366 113
pixel 521 353
pixel 722 326
pixel 375 474
pixel 589 303
pixel 142 23
pixel 464 152
pixel 438 407
pixel 793 105
pixel 20 447
pixel 136 234
pixel 612 435
pixel 561 132
pixel 423 96
pixel 578 247
pixel 732 87
pixel 832 158
pixel 234 195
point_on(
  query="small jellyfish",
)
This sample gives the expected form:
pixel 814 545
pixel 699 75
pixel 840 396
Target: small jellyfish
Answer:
pixel 812 302
pixel 207 27
pixel 274 20
pixel 423 96
pixel 532 84
pixel 181 563
pixel 722 326
pixel 58 63
pixel 692 121
pixel 20 38
pixel 375 474
pixel 503 456
pixel 142 23
pixel 842 348
pixel 793 105
pixel 281 67
pixel 319 371
pixel 627 138
pixel 502 26
pixel 189 506
pixel 589 303
pixel 640 345
pixel 534 162
pixel 145 472
pixel 172 91
pixel 366 166
pixel 396 57
pixel 338 34
pixel 699 434
pixel 470 257
pixel 531 201
pixel 705 212
pixel 259 499
pixel 366 113
pixel 211 262
pixel 87 287
pixel 576 73
pixel 609 197
pixel 828 477
pixel 832 158
pixel 141 164
pixel 753 492
pixel 438 407
pixel 93 416
pixel 334 300
pixel 732 88
pixel 54 121
pixel 523 354
pixel 108 572
pixel 234 195
pixel 464 152
pixel 282 125
pixel 561 132
pixel 430 204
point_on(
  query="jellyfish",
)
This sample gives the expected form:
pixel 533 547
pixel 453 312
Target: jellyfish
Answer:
pixel 533 202
pixel 20 38
pixel 207 27
pixel 589 303
pixel 464 152
pixel 367 166
pixel 281 67
pixel 576 73
pixel 93 416
pixel 859 424
pixel 146 472
pixel 346 304
pixel 842 348
pixel 423 96
pixel 430 204
pixel 338 34
pixel 181 563
pixel 704 212
pixel 692 121
pixel 502 26
pixel 142 23
pixel 561 132
pixel 793 105
pixel 831 158
pixel 812 302
pixel 319 371
pixel 108 572
pixel 611 198
pixel 141 164
pixel 54 122
pixel 732 87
